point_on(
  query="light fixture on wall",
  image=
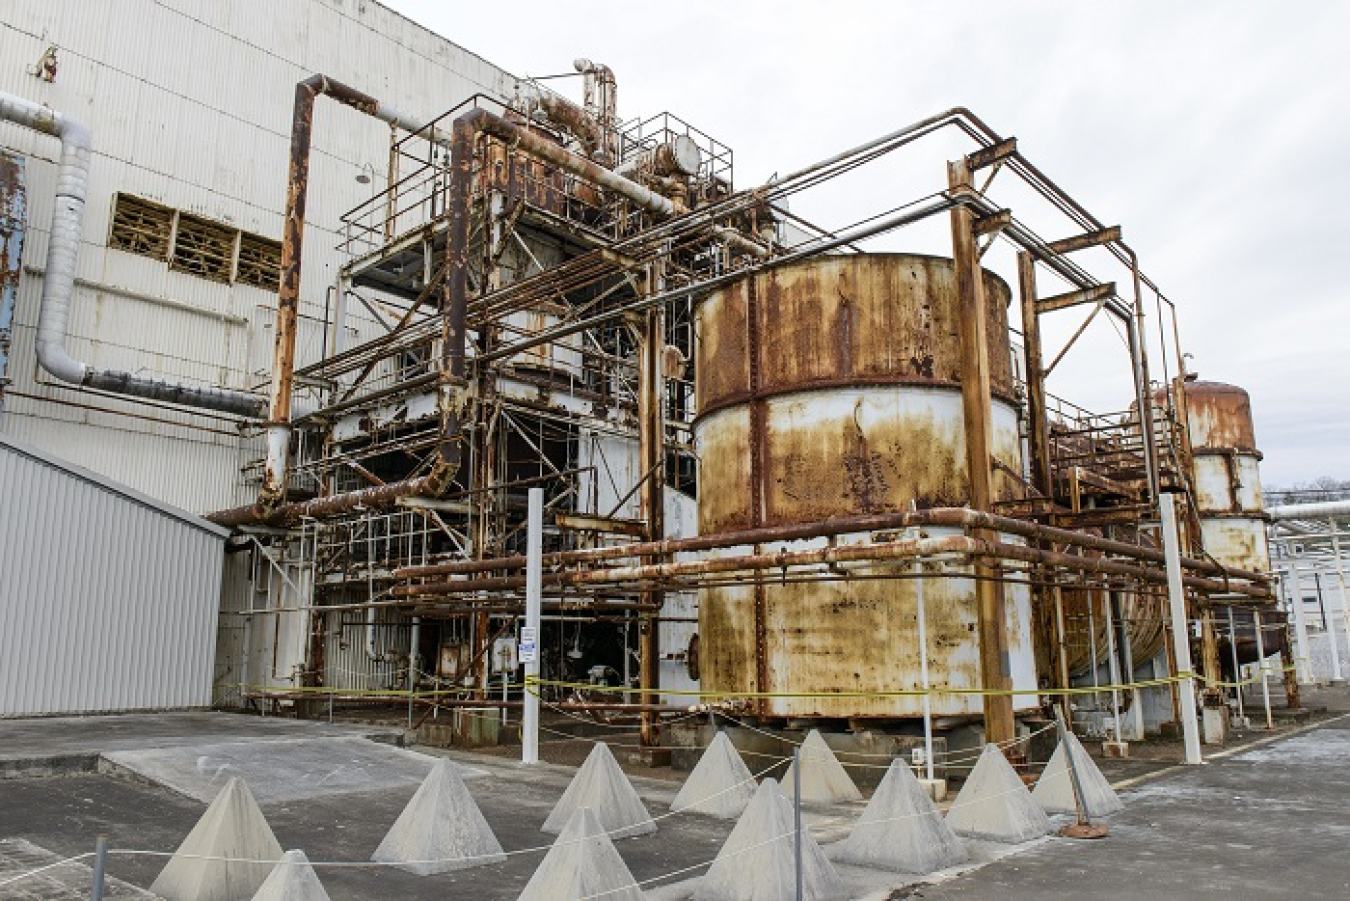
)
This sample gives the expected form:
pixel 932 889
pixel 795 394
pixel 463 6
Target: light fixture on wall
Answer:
pixel 366 174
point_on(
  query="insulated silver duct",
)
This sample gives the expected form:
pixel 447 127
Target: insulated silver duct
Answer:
pixel 58 282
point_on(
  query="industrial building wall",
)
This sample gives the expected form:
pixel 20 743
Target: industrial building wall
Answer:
pixel 190 106
pixel 107 598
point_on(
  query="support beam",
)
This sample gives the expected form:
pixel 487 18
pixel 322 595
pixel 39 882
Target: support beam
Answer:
pixel 988 156
pixel 1107 235
pixel 995 670
pixel 1076 298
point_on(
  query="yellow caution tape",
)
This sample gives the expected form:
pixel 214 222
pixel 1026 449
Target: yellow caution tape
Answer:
pixel 531 683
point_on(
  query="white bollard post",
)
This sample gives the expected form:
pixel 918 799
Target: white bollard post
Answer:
pixel 529 635
pixel 1181 633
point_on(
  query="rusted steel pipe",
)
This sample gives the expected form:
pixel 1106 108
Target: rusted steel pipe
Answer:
pixel 820 556
pixel 292 243
pixel 489 123
pixel 937 517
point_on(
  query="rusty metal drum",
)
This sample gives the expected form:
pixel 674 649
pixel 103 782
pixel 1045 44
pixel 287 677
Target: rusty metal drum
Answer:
pixel 831 388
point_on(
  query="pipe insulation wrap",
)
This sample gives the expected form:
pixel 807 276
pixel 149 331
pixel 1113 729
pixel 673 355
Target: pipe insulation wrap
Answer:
pixel 58 281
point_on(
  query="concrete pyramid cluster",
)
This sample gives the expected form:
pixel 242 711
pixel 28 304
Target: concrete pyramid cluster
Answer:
pixel 824 780
pixel 441 828
pixel 901 829
pixel 232 827
pixel 292 879
pixel 995 805
pixel 721 785
pixel 758 860
pixel 603 787
pixel 1054 790
pixel 582 863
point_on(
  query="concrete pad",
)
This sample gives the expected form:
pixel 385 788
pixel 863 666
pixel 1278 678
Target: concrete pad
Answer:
pixel 56 745
pixel 901 829
pixel 1054 790
pixel 721 785
pixel 67 882
pixel 824 779
pixel 758 860
pixel 583 863
pixel 995 804
pixel 279 771
pixel 228 855
pixel 441 829
pixel 292 879
pixel 603 787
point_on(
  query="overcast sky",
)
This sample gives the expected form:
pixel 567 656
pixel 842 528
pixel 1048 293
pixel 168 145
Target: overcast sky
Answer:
pixel 1214 132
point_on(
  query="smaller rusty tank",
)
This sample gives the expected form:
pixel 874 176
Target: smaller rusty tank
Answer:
pixel 1226 477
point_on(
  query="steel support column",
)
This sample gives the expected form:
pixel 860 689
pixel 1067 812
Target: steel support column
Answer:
pixel 995 670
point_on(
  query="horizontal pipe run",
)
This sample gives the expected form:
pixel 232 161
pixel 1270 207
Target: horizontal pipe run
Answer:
pixel 951 517
pixel 863 553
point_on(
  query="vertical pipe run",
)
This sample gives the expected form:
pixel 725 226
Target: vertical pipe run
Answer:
pixel 923 671
pixel 534 589
pixel 652 451
pixel 1181 643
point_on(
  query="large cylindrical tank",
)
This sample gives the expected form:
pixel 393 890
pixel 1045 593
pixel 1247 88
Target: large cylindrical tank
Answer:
pixel 1227 476
pixel 831 388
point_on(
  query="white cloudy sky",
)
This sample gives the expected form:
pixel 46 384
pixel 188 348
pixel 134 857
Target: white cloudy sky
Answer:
pixel 1214 132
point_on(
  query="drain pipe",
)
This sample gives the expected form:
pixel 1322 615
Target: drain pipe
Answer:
pixel 288 294
pixel 58 281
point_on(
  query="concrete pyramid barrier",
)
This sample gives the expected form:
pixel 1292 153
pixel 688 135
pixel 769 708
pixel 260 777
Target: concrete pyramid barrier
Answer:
pixel 441 828
pixel 1054 790
pixel 292 879
pixel 582 863
pixel 603 787
pixel 901 829
pixel 232 827
pixel 721 785
pixel 824 779
pixel 995 805
pixel 758 860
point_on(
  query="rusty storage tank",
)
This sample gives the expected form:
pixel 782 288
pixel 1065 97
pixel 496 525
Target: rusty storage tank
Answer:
pixel 1226 474
pixel 831 388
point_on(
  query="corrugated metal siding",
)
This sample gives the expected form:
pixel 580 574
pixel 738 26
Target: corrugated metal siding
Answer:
pixel 107 601
pixel 190 103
